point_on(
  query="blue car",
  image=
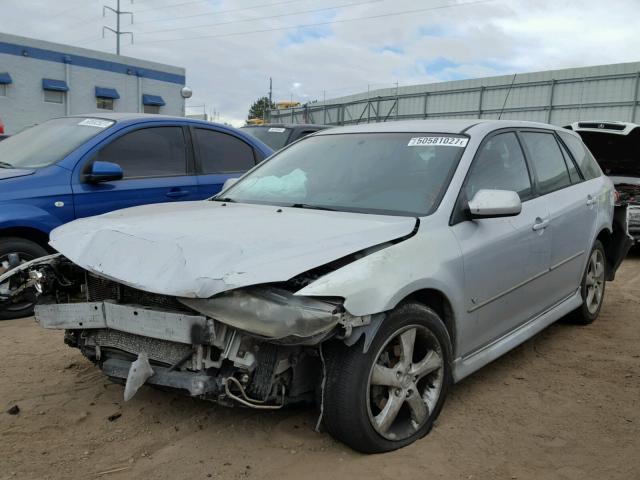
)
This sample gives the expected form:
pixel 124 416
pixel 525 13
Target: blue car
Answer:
pixel 79 166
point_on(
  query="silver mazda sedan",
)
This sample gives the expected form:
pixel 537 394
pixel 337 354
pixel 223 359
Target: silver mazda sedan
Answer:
pixel 365 268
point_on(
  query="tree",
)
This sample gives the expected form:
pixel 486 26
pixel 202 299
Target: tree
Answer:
pixel 258 108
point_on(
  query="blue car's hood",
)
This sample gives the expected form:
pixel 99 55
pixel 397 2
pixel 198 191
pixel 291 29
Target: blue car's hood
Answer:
pixel 14 172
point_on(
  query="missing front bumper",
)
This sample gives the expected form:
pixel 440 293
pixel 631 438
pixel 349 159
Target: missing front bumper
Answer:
pixel 162 325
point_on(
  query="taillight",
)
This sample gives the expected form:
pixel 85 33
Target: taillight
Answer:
pixel 1 127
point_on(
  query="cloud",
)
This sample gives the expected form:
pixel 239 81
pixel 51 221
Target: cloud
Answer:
pixel 228 72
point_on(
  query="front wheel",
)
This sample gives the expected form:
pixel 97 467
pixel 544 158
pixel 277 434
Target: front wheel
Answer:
pixel 12 248
pixel 390 396
pixel 592 287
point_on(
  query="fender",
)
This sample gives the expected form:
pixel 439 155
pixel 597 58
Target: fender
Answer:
pixel 21 215
pixel 436 268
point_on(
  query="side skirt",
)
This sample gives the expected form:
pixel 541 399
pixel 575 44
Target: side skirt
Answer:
pixel 465 366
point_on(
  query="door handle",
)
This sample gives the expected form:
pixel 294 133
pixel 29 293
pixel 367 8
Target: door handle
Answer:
pixel 540 224
pixel 590 200
pixel 177 193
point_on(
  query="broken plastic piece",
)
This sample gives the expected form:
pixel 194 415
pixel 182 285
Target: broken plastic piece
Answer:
pixel 139 372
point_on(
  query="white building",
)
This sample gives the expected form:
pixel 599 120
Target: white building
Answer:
pixel 41 80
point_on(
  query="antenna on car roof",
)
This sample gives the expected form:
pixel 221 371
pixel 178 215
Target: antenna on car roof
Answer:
pixel 507 95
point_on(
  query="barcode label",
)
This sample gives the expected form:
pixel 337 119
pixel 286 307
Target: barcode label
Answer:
pixel 439 141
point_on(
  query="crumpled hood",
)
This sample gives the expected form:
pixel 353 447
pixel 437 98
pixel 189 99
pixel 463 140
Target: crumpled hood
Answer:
pixel 199 249
pixel 14 172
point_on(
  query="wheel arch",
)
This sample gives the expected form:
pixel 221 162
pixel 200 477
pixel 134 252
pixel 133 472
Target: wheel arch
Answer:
pixel 28 233
pixel 440 303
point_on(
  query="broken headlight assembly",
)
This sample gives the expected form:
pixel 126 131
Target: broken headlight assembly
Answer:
pixel 273 313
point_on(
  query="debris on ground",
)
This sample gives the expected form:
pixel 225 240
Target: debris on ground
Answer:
pixel 14 410
pixel 114 417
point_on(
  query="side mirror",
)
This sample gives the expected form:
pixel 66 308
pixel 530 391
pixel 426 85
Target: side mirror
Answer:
pixel 494 203
pixel 228 183
pixel 104 172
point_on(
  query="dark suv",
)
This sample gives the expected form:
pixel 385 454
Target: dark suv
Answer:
pixel 279 135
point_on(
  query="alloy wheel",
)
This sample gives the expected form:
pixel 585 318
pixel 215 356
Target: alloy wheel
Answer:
pixel 594 281
pixel 4 267
pixel 405 382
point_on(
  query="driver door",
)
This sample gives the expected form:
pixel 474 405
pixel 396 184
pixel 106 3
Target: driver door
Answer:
pixel 157 168
pixel 505 259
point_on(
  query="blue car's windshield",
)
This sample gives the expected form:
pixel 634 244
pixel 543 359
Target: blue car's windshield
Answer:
pixel 49 142
pixel 384 173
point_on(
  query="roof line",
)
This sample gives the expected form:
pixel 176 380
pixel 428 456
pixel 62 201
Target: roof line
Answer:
pixel 89 62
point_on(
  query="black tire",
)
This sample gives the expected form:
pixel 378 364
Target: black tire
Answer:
pixel 26 250
pixel 587 313
pixel 349 397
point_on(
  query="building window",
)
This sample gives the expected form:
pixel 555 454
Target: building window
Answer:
pixel 105 96
pixel 5 79
pixel 54 90
pixel 152 103
pixel 53 96
pixel 104 103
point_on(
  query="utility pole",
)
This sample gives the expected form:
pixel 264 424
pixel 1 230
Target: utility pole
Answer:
pixel 117 31
pixel 270 91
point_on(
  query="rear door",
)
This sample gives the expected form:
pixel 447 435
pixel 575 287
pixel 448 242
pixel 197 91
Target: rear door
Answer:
pixel 573 210
pixel 505 259
pixel 219 156
pixel 157 164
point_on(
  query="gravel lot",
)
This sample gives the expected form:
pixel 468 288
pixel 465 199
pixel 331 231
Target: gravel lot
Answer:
pixel 564 405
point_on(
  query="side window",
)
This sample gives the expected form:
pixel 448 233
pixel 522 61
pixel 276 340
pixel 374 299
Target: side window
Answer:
pixel 220 153
pixel 571 166
pixel 587 164
pixel 149 152
pixel 548 162
pixel 500 165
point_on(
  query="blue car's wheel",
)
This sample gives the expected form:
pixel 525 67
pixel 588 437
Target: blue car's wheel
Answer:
pixel 24 250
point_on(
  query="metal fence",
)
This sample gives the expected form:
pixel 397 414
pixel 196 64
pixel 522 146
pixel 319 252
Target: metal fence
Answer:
pixel 608 92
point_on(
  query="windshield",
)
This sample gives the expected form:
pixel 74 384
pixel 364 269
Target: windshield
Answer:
pixel 383 173
pixel 275 137
pixel 49 142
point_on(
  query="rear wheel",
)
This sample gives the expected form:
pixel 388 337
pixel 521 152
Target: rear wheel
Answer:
pixel 390 396
pixel 14 250
pixel 592 287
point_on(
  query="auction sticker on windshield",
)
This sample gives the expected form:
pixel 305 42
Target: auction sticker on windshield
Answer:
pixel 439 141
pixel 95 122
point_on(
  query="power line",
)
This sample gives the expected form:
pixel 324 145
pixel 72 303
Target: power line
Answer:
pixel 164 7
pixel 64 12
pixel 84 22
pixel 318 24
pixel 219 12
pixel 315 10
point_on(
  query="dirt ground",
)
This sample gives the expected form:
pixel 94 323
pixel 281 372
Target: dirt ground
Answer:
pixel 565 405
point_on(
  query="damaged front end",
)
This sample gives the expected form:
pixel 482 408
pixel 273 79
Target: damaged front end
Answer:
pixel 257 346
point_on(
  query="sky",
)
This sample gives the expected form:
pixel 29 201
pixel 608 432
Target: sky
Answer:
pixel 316 49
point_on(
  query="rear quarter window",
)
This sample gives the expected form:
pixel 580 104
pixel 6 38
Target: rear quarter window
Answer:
pixel 587 164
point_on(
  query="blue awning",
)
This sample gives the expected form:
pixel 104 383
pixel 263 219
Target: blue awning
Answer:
pixel 56 85
pixel 152 100
pixel 5 78
pixel 103 92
